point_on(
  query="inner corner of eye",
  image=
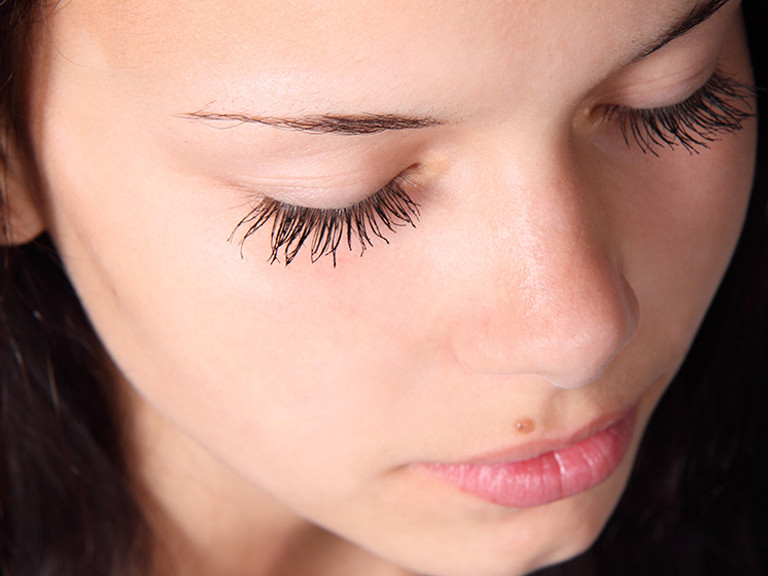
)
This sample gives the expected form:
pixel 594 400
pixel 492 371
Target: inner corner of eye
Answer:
pixel 597 115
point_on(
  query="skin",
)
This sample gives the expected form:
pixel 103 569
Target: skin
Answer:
pixel 556 276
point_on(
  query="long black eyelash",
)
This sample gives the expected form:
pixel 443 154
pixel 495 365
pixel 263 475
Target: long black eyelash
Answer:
pixel 325 230
pixel 720 107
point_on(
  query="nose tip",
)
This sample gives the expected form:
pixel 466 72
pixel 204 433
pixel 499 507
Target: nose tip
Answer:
pixel 582 341
pixel 565 323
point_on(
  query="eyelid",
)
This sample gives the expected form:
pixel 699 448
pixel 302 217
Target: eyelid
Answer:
pixel 333 196
pixel 661 88
pixel 321 192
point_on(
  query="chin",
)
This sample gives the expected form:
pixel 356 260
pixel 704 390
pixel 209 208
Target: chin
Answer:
pixel 519 545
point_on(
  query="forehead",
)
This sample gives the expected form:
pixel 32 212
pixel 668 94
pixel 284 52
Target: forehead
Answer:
pixel 354 49
pixel 312 31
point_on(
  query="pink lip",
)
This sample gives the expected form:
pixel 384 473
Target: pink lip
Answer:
pixel 547 477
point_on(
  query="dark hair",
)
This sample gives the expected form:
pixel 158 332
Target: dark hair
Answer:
pixel 694 504
pixel 66 506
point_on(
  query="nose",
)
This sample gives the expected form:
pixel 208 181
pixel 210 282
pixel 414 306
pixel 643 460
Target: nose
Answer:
pixel 550 299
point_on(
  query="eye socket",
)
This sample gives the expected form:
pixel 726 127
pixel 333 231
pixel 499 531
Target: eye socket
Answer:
pixel 719 107
pixel 326 230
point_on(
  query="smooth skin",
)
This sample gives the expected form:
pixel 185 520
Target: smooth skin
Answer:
pixel 276 415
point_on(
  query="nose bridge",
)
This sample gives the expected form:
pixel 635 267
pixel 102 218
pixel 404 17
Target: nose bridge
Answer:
pixel 553 302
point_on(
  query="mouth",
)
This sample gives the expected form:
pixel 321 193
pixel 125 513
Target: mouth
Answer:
pixel 553 474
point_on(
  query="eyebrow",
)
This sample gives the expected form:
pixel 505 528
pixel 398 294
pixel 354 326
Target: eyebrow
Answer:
pixel 702 11
pixel 358 124
pixel 326 123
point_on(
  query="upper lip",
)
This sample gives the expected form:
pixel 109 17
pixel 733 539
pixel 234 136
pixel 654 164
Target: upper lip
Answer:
pixel 534 448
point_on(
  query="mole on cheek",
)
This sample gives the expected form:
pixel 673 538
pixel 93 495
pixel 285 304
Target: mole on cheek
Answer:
pixel 525 426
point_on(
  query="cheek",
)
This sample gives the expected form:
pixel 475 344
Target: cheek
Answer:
pixel 211 338
pixel 679 221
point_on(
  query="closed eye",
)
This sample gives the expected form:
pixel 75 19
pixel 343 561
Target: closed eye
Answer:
pixel 324 231
pixel 718 108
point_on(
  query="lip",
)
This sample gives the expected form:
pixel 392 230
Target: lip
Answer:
pixel 550 475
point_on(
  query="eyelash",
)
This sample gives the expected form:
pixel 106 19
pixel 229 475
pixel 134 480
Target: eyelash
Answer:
pixel 326 229
pixel 713 111
pixel 709 113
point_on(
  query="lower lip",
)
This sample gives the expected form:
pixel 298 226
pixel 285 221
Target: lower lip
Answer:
pixel 549 477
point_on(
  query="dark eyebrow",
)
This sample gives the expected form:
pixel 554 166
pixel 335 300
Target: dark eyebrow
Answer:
pixel 702 11
pixel 325 123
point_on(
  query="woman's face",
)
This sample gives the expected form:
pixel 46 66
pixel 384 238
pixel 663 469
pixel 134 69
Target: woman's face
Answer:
pixel 468 396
